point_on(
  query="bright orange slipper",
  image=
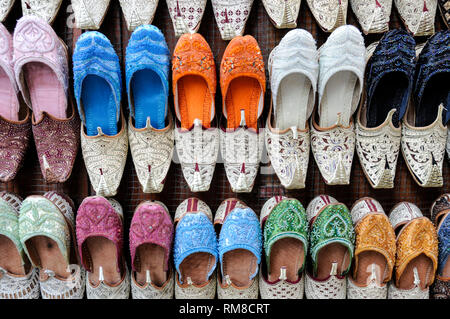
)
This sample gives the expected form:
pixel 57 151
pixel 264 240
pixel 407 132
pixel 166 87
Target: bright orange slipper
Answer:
pixel 194 87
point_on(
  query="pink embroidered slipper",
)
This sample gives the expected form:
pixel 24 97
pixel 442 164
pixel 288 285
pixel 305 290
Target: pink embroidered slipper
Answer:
pixel 151 236
pixel 15 126
pixel 41 69
pixel 100 243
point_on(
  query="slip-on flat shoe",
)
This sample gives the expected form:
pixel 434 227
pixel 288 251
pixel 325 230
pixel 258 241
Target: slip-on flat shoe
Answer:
pixel 186 15
pixel 388 85
pixel 150 126
pixel 293 69
pixel 243 83
pixel 373 15
pixel 283 14
pixel 330 14
pixel 417 15
pixel 231 16
pixel 19 279
pixel 424 135
pixel 331 248
pixel 195 251
pixel 151 236
pixel 89 14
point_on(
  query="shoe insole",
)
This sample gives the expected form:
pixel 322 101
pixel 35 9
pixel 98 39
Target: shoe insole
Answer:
pixel 239 264
pixel 387 95
pixel 9 105
pixel 99 106
pixel 196 266
pixel 340 94
pixel 46 91
pixel 243 93
pixel 332 253
pixel 194 101
pixel 424 267
pixel 47 252
pixel 287 253
pixel 149 99
pixel 10 259
pixel 365 260
pixel 151 257
pixel 294 96
pixel 103 253
pixel 436 92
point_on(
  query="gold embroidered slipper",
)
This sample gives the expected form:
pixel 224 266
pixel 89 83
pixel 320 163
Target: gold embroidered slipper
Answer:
pixel 331 245
pixel 374 251
pixel 18 278
pixel 417 253
pixel 417 15
pixel 47 234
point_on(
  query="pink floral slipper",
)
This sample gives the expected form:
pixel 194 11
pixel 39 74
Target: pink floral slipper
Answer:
pixel 15 126
pixel 41 69
pixel 151 236
pixel 100 243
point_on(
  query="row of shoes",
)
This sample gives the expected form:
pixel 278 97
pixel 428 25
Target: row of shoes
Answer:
pixel 325 251
pixel 231 16
pixel 405 98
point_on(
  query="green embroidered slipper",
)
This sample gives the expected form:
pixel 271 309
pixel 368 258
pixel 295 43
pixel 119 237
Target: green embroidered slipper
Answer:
pixel 332 240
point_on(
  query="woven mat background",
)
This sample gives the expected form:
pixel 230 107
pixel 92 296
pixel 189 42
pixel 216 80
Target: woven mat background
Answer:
pixel 29 180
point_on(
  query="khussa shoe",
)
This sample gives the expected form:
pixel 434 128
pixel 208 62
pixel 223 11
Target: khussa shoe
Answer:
pixel 186 15
pixel 417 15
pixel 388 85
pixel 341 75
pixel 293 68
pixel 285 229
pixel 5 8
pixel 444 7
pixel 231 16
pixel 329 14
pixel 194 87
pixel 243 83
pixel 283 14
pixel 240 245
pixel 423 133
pixel 372 15
pixel 97 87
pixel 89 14
pixel 15 124
pixel 18 278
pixel 138 12
pixel 150 126
pixel 43 9
pixel 47 234
pixel 100 244
pixel 374 251
pixel 331 245
pixel 195 251
pixel 417 253
pixel 41 70
pixel 440 215
pixel 151 236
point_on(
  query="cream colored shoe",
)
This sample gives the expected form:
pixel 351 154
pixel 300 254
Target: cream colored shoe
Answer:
pixel 373 15
pixel 293 68
pixel 5 8
pixel 89 14
pixel 231 16
pixel 138 12
pixel 44 9
pixel 283 13
pixel 186 15
pixel 329 14
pixel 417 15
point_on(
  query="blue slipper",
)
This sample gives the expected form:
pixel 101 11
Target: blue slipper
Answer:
pixel 432 80
pixel 147 71
pixel 240 246
pixel 97 83
pixel 389 77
